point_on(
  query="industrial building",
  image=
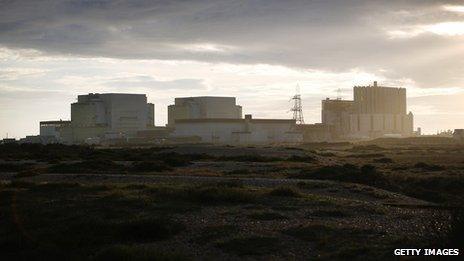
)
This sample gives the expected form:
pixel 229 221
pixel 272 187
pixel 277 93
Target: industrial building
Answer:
pixel 238 131
pixel 458 134
pixel 375 111
pixel 336 114
pixel 102 116
pixel 317 132
pixel 53 132
pixel 98 115
pixel 203 107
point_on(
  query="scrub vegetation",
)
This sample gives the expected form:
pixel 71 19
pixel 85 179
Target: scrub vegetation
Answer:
pixel 190 202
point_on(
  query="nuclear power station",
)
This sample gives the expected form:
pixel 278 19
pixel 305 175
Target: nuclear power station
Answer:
pixel 375 111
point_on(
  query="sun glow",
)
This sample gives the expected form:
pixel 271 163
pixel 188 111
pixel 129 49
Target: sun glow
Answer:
pixel 447 28
pixel 454 8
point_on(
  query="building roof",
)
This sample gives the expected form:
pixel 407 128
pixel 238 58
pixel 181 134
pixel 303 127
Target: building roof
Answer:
pixel 111 93
pixel 328 100
pixel 192 97
pixel 223 120
pixel 55 122
pixel 379 87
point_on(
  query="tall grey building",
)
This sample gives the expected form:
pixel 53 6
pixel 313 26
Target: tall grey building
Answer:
pixel 96 114
pixel 378 111
pixel 375 111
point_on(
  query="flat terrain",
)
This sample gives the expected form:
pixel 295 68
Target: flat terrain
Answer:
pixel 196 202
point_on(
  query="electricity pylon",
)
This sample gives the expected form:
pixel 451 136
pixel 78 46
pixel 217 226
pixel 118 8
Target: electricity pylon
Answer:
pixel 297 109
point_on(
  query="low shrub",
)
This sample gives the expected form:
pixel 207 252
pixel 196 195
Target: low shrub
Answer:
pixel 101 231
pixel 285 192
pixel 266 215
pixel 249 158
pixel 383 160
pixel 428 167
pixel 208 194
pixel 366 155
pixel 296 158
pixel 215 232
pixel 28 173
pixel 328 214
pixel 12 167
pixel 148 229
pixel 238 172
pixel 367 174
pixel 221 195
pixel 173 159
pixel 149 166
pixel 88 166
pixel 366 148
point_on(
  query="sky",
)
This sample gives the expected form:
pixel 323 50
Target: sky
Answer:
pixel 256 50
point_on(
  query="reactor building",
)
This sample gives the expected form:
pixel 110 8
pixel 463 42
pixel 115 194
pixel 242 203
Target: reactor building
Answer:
pixel 100 116
pixel 219 120
pixel 375 111
pixel 203 107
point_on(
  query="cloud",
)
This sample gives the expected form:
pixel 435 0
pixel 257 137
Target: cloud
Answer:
pixel 444 29
pixel 12 73
pixel 257 50
pixel 321 35
pixel 144 81
pixel 454 8
pixel 433 104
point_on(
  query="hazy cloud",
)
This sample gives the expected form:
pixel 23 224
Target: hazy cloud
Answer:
pixel 145 81
pixel 326 35
pixel 257 50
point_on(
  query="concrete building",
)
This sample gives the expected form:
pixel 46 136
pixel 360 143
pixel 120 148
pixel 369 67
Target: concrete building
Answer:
pixel 53 132
pixel 379 111
pixel 336 113
pixel 374 112
pixel 238 131
pixel 38 139
pixel 203 107
pixel 95 115
pixel 8 141
pixel 458 134
pixel 317 132
pixel 53 128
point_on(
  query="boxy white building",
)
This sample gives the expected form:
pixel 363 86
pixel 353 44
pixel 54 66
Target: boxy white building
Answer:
pixel 239 131
pixel 203 107
pixel 95 114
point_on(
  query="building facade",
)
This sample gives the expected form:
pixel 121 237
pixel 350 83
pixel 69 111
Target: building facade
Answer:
pixel 95 115
pixel 458 134
pixel 53 132
pixel 238 131
pixel 203 107
pixel 375 111
pixel 379 111
pixel 336 113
